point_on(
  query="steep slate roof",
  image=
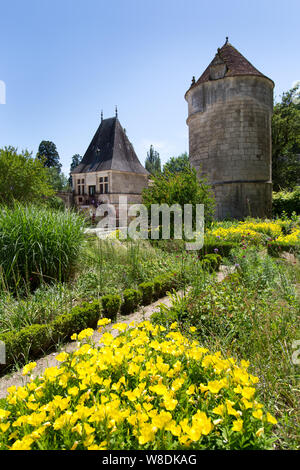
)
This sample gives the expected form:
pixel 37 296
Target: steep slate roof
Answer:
pixel 110 149
pixel 236 64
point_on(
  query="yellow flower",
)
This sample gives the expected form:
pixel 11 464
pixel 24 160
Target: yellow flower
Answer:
pixel 104 321
pixel 271 419
pixel 220 409
pixel 4 413
pixel 28 368
pixel 62 356
pixel 259 432
pixel 257 414
pixel 248 392
pixel 4 426
pixel 73 391
pixel 88 332
pixel 237 425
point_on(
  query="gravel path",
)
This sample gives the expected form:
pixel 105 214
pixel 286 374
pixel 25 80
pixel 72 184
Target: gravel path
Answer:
pixel 142 314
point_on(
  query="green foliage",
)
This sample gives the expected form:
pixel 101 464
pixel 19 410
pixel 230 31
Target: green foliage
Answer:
pixel 147 290
pixel 286 202
pixel 54 202
pixel 218 246
pixel 286 141
pixel 111 305
pixel 22 177
pixel 152 162
pixel 38 244
pixel 48 155
pixel 177 164
pixel 276 248
pixel 76 159
pixel 211 262
pixel 57 180
pixel 180 188
pixel 131 300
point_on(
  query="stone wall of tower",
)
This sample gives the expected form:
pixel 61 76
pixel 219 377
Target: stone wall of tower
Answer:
pixel 229 122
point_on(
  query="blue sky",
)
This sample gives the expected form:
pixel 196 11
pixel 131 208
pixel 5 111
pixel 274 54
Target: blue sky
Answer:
pixel 64 60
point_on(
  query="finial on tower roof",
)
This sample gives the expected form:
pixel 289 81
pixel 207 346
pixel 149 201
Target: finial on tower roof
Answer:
pixel 226 40
pixel 116 111
pixel 193 80
pixel 101 115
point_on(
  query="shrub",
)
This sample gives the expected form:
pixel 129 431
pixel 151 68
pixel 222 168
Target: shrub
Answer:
pixel 29 342
pixel 157 288
pixel 131 300
pixel 111 305
pixel 34 340
pixel 275 248
pixel 286 202
pixel 220 247
pixel 147 290
pixel 211 262
pixel 38 244
pixel 180 397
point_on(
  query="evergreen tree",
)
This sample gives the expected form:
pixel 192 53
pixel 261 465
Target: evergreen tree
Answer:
pixel 76 159
pixel 48 154
pixel 152 162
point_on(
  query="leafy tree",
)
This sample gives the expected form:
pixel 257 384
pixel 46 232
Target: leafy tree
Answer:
pixel 184 187
pixel 48 154
pixel 286 140
pixel 57 180
pixel 22 177
pixel 76 159
pixel 152 162
pixel 177 164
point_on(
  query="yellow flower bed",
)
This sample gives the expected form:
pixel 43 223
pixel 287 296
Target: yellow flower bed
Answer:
pixel 147 388
pixel 273 229
pixel 291 238
pixel 236 233
pixel 252 232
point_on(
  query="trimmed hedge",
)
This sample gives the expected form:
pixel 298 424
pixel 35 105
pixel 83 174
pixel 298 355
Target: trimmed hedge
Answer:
pixel 33 341
pixel 211 262
pixel 147 290
pixel 219 247
pixel 275 248
pixel 131 300
pixel 111 305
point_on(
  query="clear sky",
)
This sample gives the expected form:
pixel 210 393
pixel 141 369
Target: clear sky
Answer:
pixel 64 60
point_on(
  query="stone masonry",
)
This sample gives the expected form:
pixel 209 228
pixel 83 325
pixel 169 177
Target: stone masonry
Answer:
pixel 229 120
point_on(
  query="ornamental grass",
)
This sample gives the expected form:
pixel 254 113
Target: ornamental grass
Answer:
pixel 146 388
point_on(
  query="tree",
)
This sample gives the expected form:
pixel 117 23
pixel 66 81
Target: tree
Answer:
pixel 286 140
pixel 57 180
pixel 181 188
pixel 48 154
pixel 152 162
pixel 22 177
pixel 76 159
pixel 177 164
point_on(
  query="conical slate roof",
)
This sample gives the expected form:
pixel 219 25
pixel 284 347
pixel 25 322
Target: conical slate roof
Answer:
pixel 110 149
pixel 235 62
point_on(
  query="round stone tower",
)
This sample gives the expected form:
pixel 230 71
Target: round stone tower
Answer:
pixel 229 120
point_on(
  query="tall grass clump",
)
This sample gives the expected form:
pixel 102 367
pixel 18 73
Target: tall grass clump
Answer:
pixel 37 244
